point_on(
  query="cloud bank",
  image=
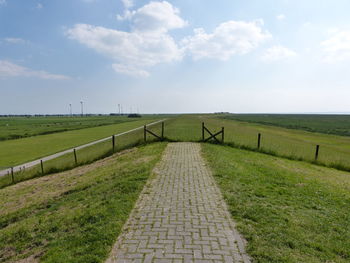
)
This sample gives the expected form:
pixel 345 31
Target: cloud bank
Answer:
pixel 150 43
pixel 228 39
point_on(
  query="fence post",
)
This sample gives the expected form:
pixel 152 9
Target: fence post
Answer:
pixel 202 131
pixel 42 167
pixel 75 157
pixel 163 130
pixel 12 176
pixel 316 154
pixel 113 143
pixel 144 133
pixel 222 134
pixel 259 140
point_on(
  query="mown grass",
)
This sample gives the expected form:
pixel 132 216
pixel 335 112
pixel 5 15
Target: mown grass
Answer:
pixel 294 144
pixel 77 215
pixel 288 211
pixel 84 156
pixel 329 124
pixel 20 127
pixel 14 152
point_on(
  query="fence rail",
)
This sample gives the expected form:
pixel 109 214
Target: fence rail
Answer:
pixel 46 164
pixel 256 141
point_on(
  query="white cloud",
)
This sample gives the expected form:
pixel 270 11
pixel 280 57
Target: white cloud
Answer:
pixel 148 43
pixel 14 40
pixel 281 17
pixel 154 17
pixel 9 69
pixel 39 6
pixel 337 47
pixel 2 2
pixel 277 53
pixel 228 39
pixel 134 50
pixel 128 3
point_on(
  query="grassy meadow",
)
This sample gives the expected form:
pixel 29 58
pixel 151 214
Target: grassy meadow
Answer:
pixel 329 124
pixel 84 156
pixel 14 152
pixel 289 211
pixel 291 143
pixel 74 216
pixel 20 127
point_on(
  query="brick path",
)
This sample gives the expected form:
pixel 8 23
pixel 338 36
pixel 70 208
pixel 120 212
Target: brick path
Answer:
pixel 180 216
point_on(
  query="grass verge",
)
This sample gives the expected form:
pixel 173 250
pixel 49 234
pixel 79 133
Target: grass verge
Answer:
pixel 84 156
pixel 21 127
pixel 289 143
pixel 14 152
pixel 288 211
pixel 77 215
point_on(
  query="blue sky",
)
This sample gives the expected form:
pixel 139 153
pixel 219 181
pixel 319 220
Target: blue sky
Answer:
pixel 174 56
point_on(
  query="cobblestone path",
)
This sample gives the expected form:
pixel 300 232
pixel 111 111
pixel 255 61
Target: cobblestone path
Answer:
pixel 180 216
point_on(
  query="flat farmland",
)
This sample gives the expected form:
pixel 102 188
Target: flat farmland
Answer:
pixel 20 127
pixel 291 143
pixel 14 152
pixel 329 124
pixel 287 210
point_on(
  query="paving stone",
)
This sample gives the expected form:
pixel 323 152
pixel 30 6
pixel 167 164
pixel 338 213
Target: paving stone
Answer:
pixel 180 216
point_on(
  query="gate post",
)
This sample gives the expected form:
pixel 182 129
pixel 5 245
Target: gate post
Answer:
pixel 202 131
pixel 222 134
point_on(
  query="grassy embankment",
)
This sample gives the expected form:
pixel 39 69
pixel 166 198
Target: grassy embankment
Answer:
pixel 14 152
pixel 293 144
pixel 288 211
pixel 74 216
pixel 329 124
pixel 290 143
pixel 84 156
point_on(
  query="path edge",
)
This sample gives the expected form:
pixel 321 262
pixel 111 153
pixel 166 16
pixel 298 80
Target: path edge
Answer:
pixel 241 241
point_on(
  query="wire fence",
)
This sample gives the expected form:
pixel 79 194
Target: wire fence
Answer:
pixel 332 154
pixel 82 155
pixel 322 149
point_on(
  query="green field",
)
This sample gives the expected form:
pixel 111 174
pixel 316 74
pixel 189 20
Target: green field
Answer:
pixel 73 216
pixel 14 152
pixel 20 127
pixel 84 156
pixel 288 211
pixel 291 143
pixel 330 124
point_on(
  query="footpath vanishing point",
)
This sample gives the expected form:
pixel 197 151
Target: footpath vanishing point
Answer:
pixel 180 216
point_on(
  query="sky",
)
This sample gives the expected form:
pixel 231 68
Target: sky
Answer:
pixel 180 56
